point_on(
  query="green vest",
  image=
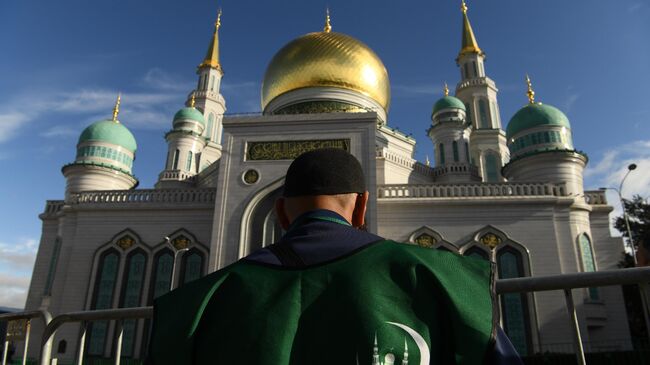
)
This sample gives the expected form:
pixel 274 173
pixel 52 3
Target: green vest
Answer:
pixel 385 302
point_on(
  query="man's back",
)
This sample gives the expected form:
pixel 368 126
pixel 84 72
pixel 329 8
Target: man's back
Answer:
pixel 403 297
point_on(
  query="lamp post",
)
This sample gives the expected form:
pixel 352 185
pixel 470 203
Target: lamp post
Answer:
pixel 630 168
pixel 176 252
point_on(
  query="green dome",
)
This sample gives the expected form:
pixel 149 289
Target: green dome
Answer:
pixel 109 132
pixel 535 115
pixel 448 102
pixel 191 114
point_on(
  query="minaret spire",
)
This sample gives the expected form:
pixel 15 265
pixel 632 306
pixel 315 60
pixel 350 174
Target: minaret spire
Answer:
pixel 446 90
pixel 116 108
pixel 405 358
pixel 212 56
pixel 328 24
pixel 530 92
pixel 193 100
pixel 469 43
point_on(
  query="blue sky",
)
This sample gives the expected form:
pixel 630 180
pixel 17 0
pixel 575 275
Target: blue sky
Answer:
pixel 63 63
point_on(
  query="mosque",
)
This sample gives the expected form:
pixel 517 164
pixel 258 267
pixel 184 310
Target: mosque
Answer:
pixel 513 195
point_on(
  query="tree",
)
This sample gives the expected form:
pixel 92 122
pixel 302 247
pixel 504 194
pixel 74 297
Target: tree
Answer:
pixel 638 212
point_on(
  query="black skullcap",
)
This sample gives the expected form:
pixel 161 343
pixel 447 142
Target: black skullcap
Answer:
pixel 326 171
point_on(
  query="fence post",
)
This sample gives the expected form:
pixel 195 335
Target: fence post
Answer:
pixel 28 330
pixel 120 336
pixel 4 352
pixel 82 343
pixel 577 340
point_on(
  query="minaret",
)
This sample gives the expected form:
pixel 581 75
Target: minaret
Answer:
pixel 541 146
pixel 185 147
pixel 405 358
pixel 375 352
pixel 450 135
pixel 209 99
pixel 479 94
pixel 104 161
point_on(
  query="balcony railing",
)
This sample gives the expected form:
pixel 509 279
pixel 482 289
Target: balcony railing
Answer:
pixel 564 282
pixel 471 190
pixel 145 196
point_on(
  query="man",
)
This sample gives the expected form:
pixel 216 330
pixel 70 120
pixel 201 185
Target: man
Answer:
pixel 330 293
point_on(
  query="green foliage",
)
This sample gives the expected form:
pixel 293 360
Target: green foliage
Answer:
pixel 638 211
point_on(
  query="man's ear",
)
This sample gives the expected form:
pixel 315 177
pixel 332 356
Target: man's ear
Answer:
pixel 359 212
pixel 281 213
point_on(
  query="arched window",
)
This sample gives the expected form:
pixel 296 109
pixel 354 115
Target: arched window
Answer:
pixel 192 267
pixel 175 160
pixel 162 274
pixel 454 148
pixel 482 109
pixel 468 114
pixel 514 306
pixel 212 83
pixel 475 251
pixel 588 262
pixel 475 69
pixel 132 285
pixel 441 152
pixel 188 164
pixel 104 290
pixel 210 126
pixel 467 151
pixel 466 72
pixel 62 347
pixel 491 168
pixel 198 162
pixel 52 269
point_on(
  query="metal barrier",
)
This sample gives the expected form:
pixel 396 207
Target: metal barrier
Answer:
pixel 564 282
pixel 46 349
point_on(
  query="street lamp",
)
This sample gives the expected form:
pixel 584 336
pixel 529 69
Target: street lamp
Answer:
pixel 630 168
pixel 176 252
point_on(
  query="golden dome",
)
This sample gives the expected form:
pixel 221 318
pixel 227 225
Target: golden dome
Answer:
pixel 326 59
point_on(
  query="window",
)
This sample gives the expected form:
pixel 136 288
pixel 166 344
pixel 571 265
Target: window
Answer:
pixel 198 162
pixel 103 298
pixel 188 165
pixel 493 113
pixel 210 126
pixel 131 296
pixel 192 266
pixel 514 306
pixel 475 69
pixel 466 72
pixel 482 108
pixel 588 262
pixel 162 274
pixel 467 151
pixel 52 270
pixel 441 152
pixel 491 168
pixel 468 114
pixel 475 251
pixel 175 160
pixel 212 83
pixel 454 147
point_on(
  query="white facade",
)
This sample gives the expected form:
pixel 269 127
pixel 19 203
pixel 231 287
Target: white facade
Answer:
pixel 114 248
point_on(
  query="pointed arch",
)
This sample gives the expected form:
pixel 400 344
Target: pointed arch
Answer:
pixel 258 202
pixel 428 237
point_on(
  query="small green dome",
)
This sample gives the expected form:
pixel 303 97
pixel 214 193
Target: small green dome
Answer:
pixel 191 114
pixel 448 102
pixel 535 115
pixel 110 132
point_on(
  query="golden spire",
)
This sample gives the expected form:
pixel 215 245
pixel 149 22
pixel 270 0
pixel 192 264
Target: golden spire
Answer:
pixel 116 109
pixel 469 44
pixel 328 24
pixel 427 162
pixel 530 92
pixel 446 90
pixel 193 100
pixel 212 56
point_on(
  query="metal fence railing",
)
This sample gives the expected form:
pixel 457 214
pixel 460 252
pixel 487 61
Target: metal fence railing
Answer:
pixel 564 282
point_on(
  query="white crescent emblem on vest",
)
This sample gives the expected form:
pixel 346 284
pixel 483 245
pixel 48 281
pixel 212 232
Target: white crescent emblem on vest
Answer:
pixel 425 355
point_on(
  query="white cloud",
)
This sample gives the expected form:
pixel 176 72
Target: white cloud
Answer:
pixel 60 131
pixel 13 290
pixel 428 90
pixel 10 123
pixel 612 167
pixel 157 78
pixel 16 263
